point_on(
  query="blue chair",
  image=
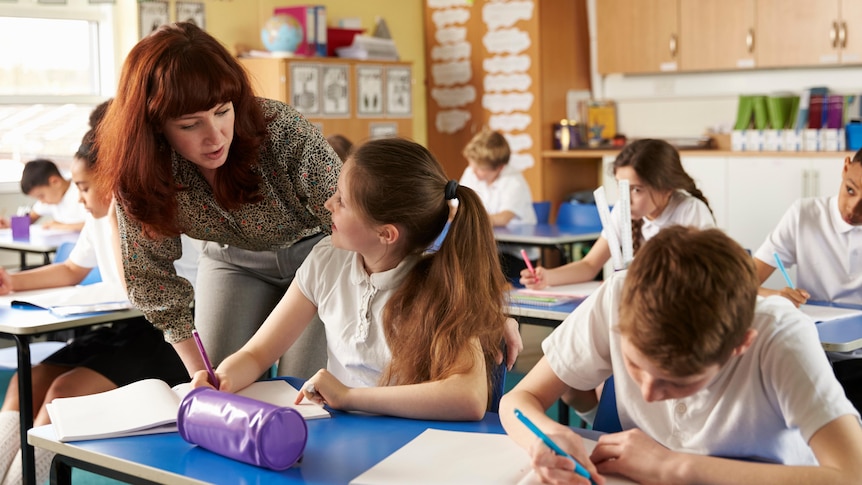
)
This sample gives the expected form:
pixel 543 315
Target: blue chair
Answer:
pixel 543 211
pixel 62 254
pixel 607 417
pixel 578 215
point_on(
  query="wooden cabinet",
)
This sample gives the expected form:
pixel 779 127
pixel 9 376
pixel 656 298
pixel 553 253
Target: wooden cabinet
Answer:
pixel 507 66
pixel 716 34
pixel 637 36
pixel 357 99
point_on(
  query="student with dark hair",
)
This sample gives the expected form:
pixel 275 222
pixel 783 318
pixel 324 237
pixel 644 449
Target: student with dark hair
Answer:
pixel 56 197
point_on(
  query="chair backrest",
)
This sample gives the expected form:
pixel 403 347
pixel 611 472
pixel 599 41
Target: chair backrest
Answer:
pixel 498 381
pixel 543 211
pixel 62 254
pixel 607 418
pixel 578 215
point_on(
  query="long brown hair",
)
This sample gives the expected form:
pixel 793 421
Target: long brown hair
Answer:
pixel 657 164
pixel 452 297
pixel 176 70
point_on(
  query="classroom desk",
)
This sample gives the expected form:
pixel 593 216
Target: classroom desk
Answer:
pixel 553 236
pixel 338 449
pixel 41 241
pixel 841 334
pixel 23 323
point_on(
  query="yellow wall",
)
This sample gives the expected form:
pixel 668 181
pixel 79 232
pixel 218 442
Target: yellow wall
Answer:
pixel 239 21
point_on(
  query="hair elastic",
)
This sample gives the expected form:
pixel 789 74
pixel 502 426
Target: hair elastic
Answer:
pixel 451 188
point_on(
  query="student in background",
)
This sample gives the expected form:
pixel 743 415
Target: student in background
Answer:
pixel 409 334
pixel 703 369
pixel 187 149
pixel 56 197
pixel 662 195
pixel 100 360
pixel 503 190
pixel 822 236
pixel 341 144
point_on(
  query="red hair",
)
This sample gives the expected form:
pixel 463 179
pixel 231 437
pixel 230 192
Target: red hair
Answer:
pixel 176 70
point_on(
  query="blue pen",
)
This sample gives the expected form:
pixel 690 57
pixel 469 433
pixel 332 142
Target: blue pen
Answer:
pixel 210 371
pixel 579 469
pixel 783 271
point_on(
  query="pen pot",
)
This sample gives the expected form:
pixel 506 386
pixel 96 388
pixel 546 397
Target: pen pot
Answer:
pixel 20 227
pixel 242 428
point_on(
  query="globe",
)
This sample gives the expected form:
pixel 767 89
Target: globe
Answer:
pixel 281 33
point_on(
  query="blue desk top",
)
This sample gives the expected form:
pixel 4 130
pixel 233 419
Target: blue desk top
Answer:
pixel 339 449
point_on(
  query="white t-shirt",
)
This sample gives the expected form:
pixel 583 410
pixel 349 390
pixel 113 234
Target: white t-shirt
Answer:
pixel 68 211
pixel 508 192
pixel 764 404
pixel 350 303
pixel 826 250
pixel 682 209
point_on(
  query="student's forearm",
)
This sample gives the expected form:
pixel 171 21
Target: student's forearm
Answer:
pixel 49 276
pixel 577 272
pixel 447 400
pixel 689 468
pixel 532 408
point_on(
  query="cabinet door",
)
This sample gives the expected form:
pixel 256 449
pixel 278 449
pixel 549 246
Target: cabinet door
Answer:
pixel 851 22
pixel 797 32
pixel 710 176
pixel 637 36
pixel 716 34
pixel 824 176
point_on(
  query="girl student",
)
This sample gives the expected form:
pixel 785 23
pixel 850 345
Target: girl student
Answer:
pixel 662 195
pixel 102 359
pixel 409 333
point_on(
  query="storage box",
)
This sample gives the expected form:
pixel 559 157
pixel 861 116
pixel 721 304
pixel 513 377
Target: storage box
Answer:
pixel 854 136
pixel 338 37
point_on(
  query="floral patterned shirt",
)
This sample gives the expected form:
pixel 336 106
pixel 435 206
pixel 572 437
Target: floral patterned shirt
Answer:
pixel 299 172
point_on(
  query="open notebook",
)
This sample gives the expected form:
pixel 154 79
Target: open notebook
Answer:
pixel 553 295
pixel 470 458
pixel 72 300
pixel 150 406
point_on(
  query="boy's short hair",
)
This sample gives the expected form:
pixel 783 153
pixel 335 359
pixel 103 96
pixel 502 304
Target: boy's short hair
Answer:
pixel 488 148
pixel 688 299
pixel 37 173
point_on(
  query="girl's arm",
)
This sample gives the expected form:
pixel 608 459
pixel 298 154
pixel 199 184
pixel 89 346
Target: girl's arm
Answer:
pixel 577 272
pixel 279 331
pixel 54 275
pixel 460 397
pixel 837 446
pixel 796 295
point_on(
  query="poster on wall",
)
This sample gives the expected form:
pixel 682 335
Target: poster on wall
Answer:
pixel 336 92
pixel 382 130
pixel 191 12
pixel 305 88
pixel 369 89
pixel 399 93
pixel 152 15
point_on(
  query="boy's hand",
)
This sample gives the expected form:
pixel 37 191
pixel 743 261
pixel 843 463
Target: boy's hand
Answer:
pixel 536 282
pixel 635 455
pixel 553 468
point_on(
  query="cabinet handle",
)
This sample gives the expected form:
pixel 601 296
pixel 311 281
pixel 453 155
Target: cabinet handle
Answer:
pixel 815 183
pixel 842 35
pixel 749 40
pixel 672 45
pixel 805 183
pixel 833 35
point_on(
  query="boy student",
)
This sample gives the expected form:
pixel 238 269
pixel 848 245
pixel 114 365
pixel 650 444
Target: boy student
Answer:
pixel 503 190
pixel 704 370
pixel 823 237
pixel 55 196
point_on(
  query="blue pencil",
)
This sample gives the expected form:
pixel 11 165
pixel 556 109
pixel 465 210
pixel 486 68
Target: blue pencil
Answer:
pixel 783 271
pixel 579 469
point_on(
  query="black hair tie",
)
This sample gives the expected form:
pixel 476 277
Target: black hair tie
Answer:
pixel 451 188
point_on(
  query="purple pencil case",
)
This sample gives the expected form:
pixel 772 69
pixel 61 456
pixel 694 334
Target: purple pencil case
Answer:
pixel 242 428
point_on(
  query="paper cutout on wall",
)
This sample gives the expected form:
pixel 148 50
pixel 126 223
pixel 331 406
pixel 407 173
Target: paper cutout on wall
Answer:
pixel 497 15
pixel 506 41
pixel 450 35
pixel 449 3
pixel 507 64
pixel 451 52
pixel 507 82
pixel 522 160
pixel 443 18
pixel 509 122
pixel 507 103
pixel 454 97
pixel 519 142
pixel 452 120
pixel 449 73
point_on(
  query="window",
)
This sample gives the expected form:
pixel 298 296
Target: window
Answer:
pixel 61 66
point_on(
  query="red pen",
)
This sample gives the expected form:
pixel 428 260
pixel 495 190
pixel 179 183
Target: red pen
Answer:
pixel 529 264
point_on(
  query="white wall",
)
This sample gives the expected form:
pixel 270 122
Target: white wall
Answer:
pixel 686 105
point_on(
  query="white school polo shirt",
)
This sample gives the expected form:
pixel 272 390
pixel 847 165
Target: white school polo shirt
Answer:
pixel 350 303
pixel 765 403
pixel 69 210
pixel 509 192
pixel 95 249
pixel 682 209
pixel 826 250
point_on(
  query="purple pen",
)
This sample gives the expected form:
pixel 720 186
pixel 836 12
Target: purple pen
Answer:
pixel 207 363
